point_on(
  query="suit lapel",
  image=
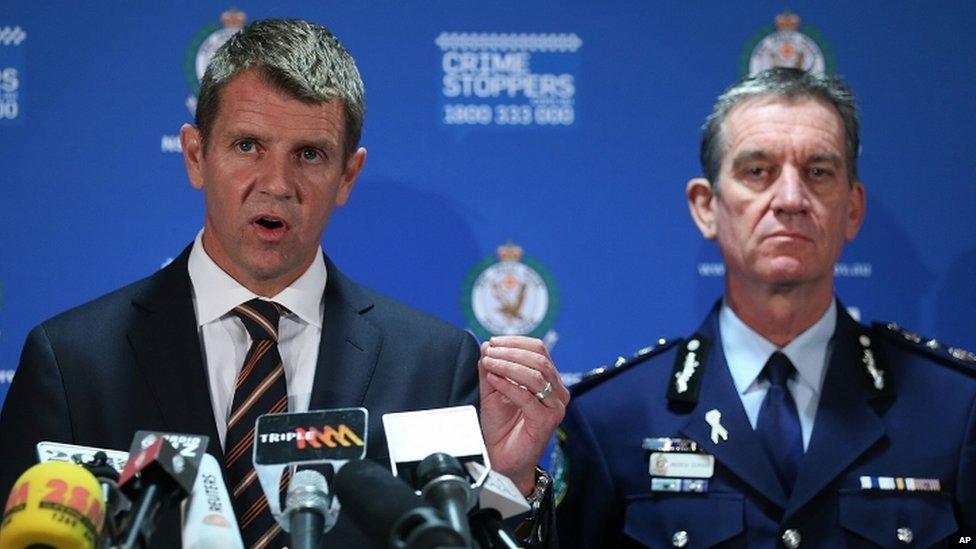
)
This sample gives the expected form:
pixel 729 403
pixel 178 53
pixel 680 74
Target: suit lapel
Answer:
pixel 166 343
pixel 349 347
pixel 742 453
pixel 846 426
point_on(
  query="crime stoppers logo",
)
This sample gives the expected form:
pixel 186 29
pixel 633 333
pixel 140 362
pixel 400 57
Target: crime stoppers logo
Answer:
pixel 508 80
pixel 513 295
pixel 12 45
pixel 788 44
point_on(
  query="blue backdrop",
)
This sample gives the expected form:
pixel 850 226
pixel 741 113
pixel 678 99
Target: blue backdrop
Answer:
pixel 568 129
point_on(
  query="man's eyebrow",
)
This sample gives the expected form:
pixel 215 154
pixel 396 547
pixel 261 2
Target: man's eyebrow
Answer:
pixel 243 130
pixel 828 157
pixel 324 143
pixel 749 156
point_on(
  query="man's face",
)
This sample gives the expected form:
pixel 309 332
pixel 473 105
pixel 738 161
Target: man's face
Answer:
pixel 784 206
pixel 272 170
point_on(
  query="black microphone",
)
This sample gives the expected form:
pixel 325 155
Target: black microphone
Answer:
pixel 490 532
pixel 444 484
pixel 116 504
pixel 388 511
pixel 164 478
pixel 307 506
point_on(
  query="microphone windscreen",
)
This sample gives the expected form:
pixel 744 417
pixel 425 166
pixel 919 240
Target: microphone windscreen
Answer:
pixel 53 504
pixel 372 497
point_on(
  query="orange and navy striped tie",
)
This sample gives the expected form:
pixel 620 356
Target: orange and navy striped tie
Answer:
pixel 260 389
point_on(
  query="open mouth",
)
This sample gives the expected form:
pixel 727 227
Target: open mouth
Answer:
pixel 270 223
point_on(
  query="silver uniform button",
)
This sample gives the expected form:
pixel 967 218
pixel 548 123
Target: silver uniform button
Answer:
pixel 680 538
pixel 905 535
pixel 791 538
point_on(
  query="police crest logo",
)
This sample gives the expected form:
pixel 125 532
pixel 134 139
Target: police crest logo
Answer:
pixel 513 295
pixel 202 47
pixel 788 44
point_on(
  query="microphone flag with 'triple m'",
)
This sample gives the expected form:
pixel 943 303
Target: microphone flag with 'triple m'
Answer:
pixel 310 437
pixel 53 504
pixel 322 440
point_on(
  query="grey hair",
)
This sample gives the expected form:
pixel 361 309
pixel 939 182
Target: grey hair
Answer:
pixel 783 83
pixel 302 59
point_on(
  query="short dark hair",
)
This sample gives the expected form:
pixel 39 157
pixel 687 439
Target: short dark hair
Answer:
pixel 303 59
pixel 785 83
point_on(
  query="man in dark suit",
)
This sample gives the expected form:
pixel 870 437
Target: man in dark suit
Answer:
pixel 252 318
pixel 781 421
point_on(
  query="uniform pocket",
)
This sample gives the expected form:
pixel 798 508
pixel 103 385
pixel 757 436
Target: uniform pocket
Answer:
pixel 700 520
pixel 891 519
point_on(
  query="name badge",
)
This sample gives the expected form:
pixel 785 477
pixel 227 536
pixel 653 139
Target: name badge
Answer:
pixel 667 464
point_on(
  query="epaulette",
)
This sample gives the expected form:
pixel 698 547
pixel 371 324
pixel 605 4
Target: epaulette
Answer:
pixel 598 375
pixel 875 375
pixel 686 375
pixel 956 357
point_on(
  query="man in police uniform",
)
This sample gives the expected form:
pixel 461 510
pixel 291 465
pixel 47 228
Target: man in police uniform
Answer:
pixel 781 421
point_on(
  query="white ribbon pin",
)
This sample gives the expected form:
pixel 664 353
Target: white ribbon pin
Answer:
pixel 714 417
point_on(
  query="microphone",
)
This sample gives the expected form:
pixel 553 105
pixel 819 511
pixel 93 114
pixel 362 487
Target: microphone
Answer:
pixel 498 492
pixel 116 504
pixel 320 438
pixel 53 504
pixel 105 465
pixel 456 431
pixel 389 512
pixel 444 484
pixel 307 508
pixel 209 519
pixel 164 478
pixel 489 531
pixel 413 436
pixel 75 453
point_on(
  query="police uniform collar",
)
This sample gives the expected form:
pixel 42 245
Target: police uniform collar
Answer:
pixel 746 351
pixel 870 361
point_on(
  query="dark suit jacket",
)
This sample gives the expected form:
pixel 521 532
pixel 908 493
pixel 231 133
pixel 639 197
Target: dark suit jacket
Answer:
pixel 921 425
pixel 132 360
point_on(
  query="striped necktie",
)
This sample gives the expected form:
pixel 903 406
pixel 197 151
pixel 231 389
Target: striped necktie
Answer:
pixel 260 389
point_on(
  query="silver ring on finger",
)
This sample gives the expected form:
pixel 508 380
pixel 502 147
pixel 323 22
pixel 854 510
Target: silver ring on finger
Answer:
pixel 541 395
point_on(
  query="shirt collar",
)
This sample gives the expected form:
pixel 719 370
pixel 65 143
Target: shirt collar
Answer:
pixel 747 352
pixel 217 293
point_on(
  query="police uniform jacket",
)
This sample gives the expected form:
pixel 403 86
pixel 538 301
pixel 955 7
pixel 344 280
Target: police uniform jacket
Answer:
pixel 891 459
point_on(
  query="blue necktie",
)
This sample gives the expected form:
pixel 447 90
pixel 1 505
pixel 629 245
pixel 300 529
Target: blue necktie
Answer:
pixel 779 423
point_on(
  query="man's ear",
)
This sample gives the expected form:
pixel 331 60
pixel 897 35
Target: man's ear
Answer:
pixel 701 203
pixel 354 165
pixel 855 211
pixel 192 146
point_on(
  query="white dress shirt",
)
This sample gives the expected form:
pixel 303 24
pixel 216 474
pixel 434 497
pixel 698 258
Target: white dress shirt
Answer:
pixel 225 342
pixel 747 352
